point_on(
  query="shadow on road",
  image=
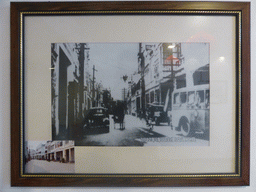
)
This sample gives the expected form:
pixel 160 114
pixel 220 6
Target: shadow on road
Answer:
pixel 155 134
pixel 120 138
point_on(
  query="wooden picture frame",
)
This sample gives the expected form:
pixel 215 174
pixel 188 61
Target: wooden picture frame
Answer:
pixel 238 11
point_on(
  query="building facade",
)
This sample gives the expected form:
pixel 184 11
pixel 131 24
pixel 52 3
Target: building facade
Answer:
pixel 62 151
pixel 74 89
pixel 162 68
pixel 71 88
pixel 41 152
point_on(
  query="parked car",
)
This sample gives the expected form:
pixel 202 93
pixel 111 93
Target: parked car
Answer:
pixel 157 113
pixel 96 120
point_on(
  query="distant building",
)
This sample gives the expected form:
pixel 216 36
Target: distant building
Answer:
pixel 40 151
pixel 32 153
pixel 62 151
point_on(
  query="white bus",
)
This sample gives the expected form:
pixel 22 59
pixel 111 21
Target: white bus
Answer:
pixel 190 109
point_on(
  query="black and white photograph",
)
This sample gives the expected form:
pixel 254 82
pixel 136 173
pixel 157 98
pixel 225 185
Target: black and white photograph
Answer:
pixel 49 157
pixel 131 94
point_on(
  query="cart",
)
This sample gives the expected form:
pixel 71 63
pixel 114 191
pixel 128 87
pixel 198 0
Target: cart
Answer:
pixel 118 115
pixel 119 119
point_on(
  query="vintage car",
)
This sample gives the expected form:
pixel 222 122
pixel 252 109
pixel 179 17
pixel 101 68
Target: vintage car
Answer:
pixel 96 120
pixel 157 113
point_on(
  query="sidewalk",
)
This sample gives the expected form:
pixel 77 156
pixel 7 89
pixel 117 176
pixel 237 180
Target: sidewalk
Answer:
pixel 43 166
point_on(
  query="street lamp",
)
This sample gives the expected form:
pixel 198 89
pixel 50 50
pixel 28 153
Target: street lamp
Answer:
pixel 125 77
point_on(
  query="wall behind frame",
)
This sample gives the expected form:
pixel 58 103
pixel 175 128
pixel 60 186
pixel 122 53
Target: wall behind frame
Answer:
pixel 5 118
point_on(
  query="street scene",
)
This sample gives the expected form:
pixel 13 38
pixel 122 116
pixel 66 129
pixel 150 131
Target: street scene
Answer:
pixel 49 157
pixel 138 133
pixel 131 94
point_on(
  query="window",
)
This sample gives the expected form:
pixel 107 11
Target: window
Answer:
pixel 201 75
pixel 157 95
pixel 183 97
pixel 181 81
pixel 152 97
pixel 191 97
pixel 176 98
pixel 147 98
pixel 200 96
pixel 207 98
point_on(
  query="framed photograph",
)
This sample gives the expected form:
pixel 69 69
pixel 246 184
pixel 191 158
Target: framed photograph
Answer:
pixel 145 94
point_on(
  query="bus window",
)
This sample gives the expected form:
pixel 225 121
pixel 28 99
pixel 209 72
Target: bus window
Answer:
pixel 200 96
pixel 176 98
pixel 191 97
pixel 183 97
pixel 207 98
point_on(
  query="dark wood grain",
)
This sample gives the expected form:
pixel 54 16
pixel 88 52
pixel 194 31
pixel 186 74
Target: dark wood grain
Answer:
pixel 15 97
pixel 18 180
pixel 124 6
pixel 245 76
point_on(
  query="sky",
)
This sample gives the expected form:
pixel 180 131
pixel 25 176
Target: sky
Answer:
pixel 112 61
pixel 34 144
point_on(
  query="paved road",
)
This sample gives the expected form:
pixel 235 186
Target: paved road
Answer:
pixel 136 133
pixel 43 166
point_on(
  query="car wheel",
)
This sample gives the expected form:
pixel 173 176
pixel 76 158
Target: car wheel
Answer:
pixel 185 128
pixel 107 129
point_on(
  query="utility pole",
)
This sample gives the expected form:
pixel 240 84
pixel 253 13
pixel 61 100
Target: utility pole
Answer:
pixel 142 65
pixel 124 97
pixel 172 64
pixel 81 78
pixel 81 47
pixel 93 85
